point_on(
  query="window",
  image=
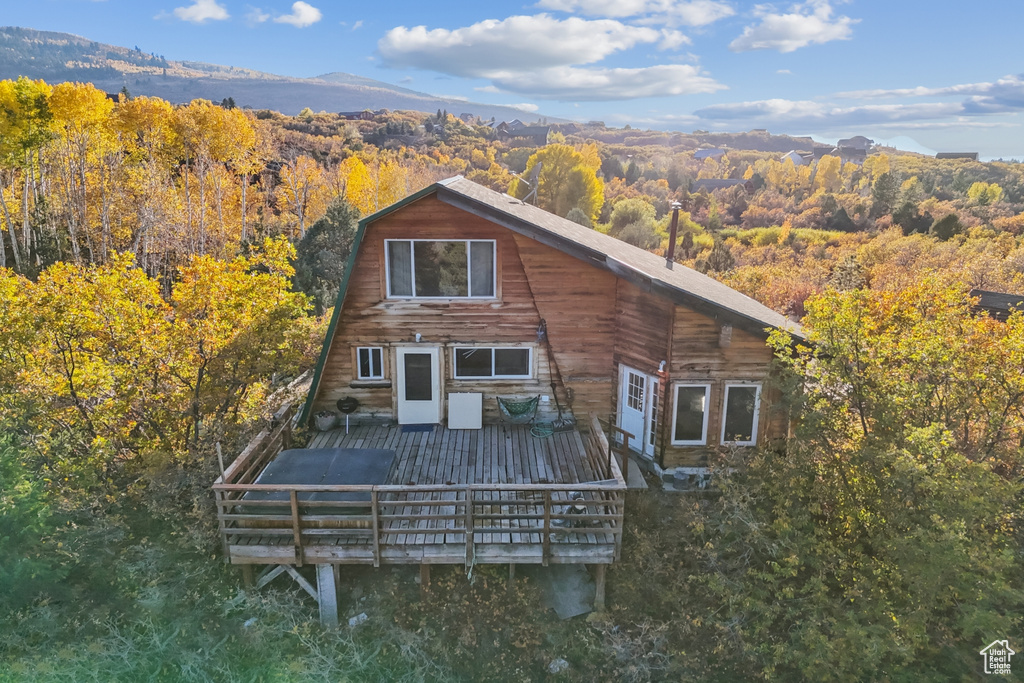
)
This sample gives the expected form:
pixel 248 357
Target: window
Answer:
pixel 493 363
pixel 371 362
pixel 690 420
pixel 739 420
pixel 652 426
pixel 440 269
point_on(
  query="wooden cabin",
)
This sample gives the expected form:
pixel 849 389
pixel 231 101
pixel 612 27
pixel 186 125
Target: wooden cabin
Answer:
pixel 454 298
pixel 462 291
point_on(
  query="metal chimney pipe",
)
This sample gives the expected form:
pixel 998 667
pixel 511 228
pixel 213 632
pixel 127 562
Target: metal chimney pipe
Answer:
pixel 672 234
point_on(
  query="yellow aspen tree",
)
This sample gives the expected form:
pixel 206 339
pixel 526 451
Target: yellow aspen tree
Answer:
pixel 82 118
pixel 827 174
pixel 25 126
pixel 302 190
pixel 358 185
pixel 145 126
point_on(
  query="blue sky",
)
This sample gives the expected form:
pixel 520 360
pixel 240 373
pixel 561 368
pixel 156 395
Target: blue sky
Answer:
pixel 944 75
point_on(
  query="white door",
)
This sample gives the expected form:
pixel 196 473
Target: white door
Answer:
pixel 637 408
pixel 419 385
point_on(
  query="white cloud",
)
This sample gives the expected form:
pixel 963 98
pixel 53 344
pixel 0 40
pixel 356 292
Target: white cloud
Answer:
pixel 808 23
pixel 525 106
pixel 920 91
pixel 784 71
pixel 201 11
pixel 358 24
pixel 541 56
pixel 670 12
pixel 256 16
pixel 572 84
pixel 672 40
pixel 519 43
pixel 1003 96
pixel 819 115
pixel 303 15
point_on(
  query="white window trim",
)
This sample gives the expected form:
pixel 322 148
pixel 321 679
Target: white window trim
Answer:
pixel 455 365
pixel 359 365
pixel 469 271
pixel 675 412
pixel 757 413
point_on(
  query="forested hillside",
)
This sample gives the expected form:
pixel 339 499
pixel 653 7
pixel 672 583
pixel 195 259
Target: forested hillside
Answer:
pixel 63 57
pixel 166 271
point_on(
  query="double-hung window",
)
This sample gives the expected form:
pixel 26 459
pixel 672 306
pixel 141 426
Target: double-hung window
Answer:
pixel 740 413
pixel 370 362
pixel 440 269
pixel 690 419
pixel 479 362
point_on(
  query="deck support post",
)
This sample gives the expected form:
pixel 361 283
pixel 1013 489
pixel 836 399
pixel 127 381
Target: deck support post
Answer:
pixel 424 577
pixel 327 596
pixel 599 576
pixel 248 578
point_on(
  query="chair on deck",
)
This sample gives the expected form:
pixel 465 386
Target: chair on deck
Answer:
pixel 517 412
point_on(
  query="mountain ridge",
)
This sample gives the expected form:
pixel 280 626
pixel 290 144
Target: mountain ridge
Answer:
pixel 57 57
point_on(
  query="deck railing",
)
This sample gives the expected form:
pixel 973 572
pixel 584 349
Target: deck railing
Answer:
pixel 386 523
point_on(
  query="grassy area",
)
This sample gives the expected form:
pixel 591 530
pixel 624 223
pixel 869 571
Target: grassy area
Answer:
pixel 149 599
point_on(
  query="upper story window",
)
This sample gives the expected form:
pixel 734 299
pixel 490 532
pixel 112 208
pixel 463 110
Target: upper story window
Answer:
pixel 440 269
pixel 739 419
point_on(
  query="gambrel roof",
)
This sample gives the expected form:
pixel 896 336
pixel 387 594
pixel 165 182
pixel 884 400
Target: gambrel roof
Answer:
pixel 647 271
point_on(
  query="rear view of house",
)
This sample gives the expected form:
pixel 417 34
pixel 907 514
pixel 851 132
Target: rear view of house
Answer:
pixel 460 307
pixel 461 290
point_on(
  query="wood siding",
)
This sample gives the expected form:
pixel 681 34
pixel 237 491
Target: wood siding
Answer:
pixel 699 358
pixel 578 302
pixel 596 322
pixel 368 318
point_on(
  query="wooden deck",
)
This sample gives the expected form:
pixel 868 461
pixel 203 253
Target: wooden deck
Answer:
pixel 492 455
pixel 496 495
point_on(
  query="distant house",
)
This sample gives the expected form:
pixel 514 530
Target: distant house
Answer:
pixel 567 128
pixel 971 156
pixel 712 184
pixel 712 153
pixel 853 155
pixel 858 142
pixel 364 115
pixel 509 126
pixel 999 305
pixel 797 158
pixel 535 135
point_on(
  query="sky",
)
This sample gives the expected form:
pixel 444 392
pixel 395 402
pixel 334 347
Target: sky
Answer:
pixel 938 75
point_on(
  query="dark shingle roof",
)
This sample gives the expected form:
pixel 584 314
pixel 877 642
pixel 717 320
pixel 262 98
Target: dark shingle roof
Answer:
pixel 998 304
pixel 679 283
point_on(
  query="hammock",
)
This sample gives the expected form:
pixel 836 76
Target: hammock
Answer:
pixel 518 412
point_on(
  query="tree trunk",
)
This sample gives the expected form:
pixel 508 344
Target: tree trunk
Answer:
pixel 11 230
pixel 245 186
